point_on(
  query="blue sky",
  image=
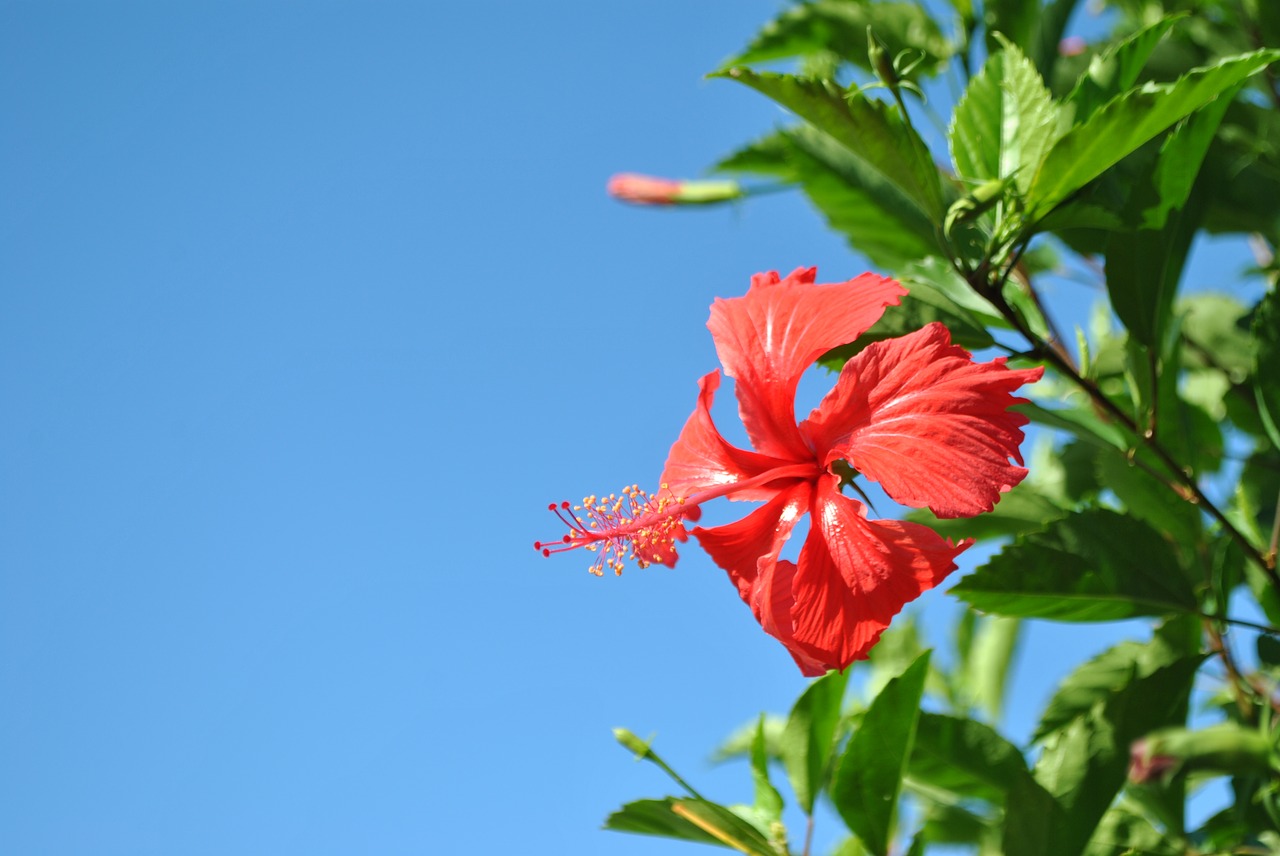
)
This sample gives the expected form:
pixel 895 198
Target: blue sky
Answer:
pixel 309 309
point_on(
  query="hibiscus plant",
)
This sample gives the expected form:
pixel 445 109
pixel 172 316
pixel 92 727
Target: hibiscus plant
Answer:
pixel 1097 143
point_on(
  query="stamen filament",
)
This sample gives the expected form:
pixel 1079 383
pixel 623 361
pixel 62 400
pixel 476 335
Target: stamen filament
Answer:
pixel 640 527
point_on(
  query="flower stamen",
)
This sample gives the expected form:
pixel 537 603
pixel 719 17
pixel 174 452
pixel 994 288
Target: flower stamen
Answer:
pixel 630 526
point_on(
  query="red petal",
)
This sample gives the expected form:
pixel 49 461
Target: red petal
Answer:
pixel 919 416
pixel 856 574
pixel 701 459
pixel 767 338
pixel 748 550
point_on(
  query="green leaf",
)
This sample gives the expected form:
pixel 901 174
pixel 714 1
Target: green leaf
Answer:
pixel 809 737
pixel 1129 120
pixel 1143 269
pixel 877 218
pixel 1022 509
pixel 868 778
pixel 1116 69
pixel 1178 164
pixel 655 817
pixel 1269 651
pixel 1014 19
pixel 770 155
pixel 874 131
pixel 944 823
pixel 1148 499
pixel 740 742
pixel 1213 325
pixel 1093 565
pixel 841 28
pixel 1084 764
pixel 1110 671
pixel 966 758
pixel 768 801
pixel 986 665
pixel 1054 17
pixel 1080 422
pixel 1005 123
pixel 1266 375
pixel 924 303
pixel 1122 830
pixel 691 820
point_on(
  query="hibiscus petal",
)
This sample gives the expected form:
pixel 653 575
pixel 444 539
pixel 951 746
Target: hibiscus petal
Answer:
pixel 748 550
pixel 767 338
pixel 919 416
pixel 856 574
pixel 701 459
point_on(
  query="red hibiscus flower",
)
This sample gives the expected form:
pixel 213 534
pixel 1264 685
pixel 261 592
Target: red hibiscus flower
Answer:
pixel 915 414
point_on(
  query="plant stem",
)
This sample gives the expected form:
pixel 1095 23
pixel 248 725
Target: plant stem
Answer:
pixel 979 280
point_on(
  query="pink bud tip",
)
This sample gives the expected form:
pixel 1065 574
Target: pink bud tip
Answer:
pixel 643 189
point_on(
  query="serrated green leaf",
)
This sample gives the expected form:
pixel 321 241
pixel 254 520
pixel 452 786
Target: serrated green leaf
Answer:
pixel 1084 764
pixel 1005 123
pixel 1126 122
pixel 1093 565
pixel 1116 69
pixel 1148 499
pixel 868 778
pixel 877 219
pixel 768 802
pixel 808 740
pixel 770 155
pixel 841 28
pixel 1095 680
pixel 871 130
pixel 690 820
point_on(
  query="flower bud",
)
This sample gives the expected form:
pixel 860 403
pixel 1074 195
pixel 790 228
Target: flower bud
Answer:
pixel 1227 748
pixel 647 190
pixel 630 741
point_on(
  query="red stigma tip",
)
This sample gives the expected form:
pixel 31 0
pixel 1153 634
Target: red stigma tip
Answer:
pixel 631 525
pixel 545 553
pixel 551 507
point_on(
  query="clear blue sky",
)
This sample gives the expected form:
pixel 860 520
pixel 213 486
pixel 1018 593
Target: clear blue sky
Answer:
pixel 306 312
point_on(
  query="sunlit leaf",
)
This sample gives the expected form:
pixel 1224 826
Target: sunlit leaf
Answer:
pixel 1129 120
pixel 808 740
pixel 1095 680
pixel 1116 69
pixel 1005 123
pixel 841 28
pixel 874 131
pixel 690 820
pixel 868 778
pixel 1093 565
